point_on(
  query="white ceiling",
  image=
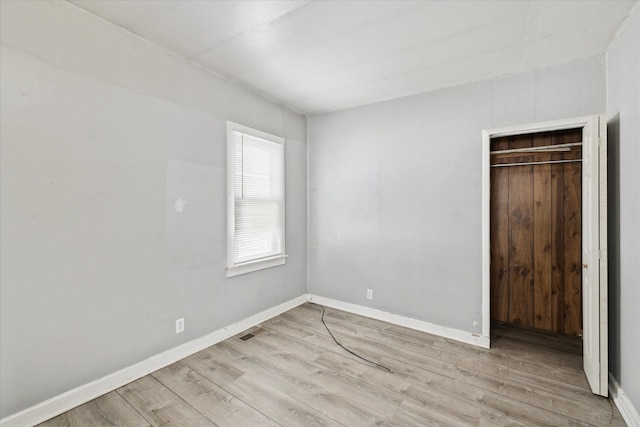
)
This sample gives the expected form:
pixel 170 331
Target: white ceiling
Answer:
pixel 321 56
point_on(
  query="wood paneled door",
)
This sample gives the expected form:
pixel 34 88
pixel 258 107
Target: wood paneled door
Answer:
pixel 536 253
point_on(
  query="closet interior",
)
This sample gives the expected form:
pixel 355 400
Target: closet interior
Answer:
pixel 536 230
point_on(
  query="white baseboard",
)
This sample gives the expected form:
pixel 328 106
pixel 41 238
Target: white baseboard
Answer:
pixel 84 393
pixel 629 413
pixel 408 322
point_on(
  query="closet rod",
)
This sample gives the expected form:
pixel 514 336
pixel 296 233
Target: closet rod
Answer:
pixel 502 165
pixel 541 149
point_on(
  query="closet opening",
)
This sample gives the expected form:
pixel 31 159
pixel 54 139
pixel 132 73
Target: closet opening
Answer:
pixel 544 234
pixel 536 230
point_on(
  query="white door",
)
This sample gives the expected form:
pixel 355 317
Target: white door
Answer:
pixel 594 253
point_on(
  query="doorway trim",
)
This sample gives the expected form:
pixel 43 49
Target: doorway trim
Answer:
pixel 595 352
pixel 487 135
pixel 597 125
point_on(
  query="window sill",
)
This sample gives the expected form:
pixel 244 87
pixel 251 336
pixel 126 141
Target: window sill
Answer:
pixel 252 266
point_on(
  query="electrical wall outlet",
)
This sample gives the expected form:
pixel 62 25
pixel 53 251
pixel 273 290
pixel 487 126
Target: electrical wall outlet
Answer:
pixel 369 293
pixel 180 325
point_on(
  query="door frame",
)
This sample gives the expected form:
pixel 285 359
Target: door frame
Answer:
pixel 599 385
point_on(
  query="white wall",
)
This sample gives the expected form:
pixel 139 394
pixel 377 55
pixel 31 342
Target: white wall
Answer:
pixel 101 133
pixel 395 190
pixel 623 107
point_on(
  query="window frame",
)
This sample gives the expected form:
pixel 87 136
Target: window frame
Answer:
pixel 233 268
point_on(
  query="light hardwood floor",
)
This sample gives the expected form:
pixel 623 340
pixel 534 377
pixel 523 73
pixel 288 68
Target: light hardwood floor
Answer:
pixel 291 373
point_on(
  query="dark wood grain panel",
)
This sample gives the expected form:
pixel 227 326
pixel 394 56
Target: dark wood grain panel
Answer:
pixel 573 245
pixel 542 238
pixel 543 284
pixel 571 135
pixel 499 144
pixel 520 239
pixel 557 240
pixel 500 244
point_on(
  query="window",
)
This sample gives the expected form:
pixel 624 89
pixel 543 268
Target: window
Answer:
pixel 255 200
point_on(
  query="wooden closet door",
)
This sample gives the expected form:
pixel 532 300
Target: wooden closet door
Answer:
pixel 535 234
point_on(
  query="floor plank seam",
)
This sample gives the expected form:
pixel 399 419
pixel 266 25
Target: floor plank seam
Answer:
pixel 133 407
pixel 248 404
pixel 356 378
pixel 303 404
pixel 181 398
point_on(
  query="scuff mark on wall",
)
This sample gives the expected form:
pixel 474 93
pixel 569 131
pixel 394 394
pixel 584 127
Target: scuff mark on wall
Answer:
pixel 179 205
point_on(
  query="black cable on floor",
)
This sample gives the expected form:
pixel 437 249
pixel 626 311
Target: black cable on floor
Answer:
pixel 345 348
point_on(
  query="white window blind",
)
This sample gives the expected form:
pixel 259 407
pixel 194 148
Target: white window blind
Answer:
pixel 256 200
